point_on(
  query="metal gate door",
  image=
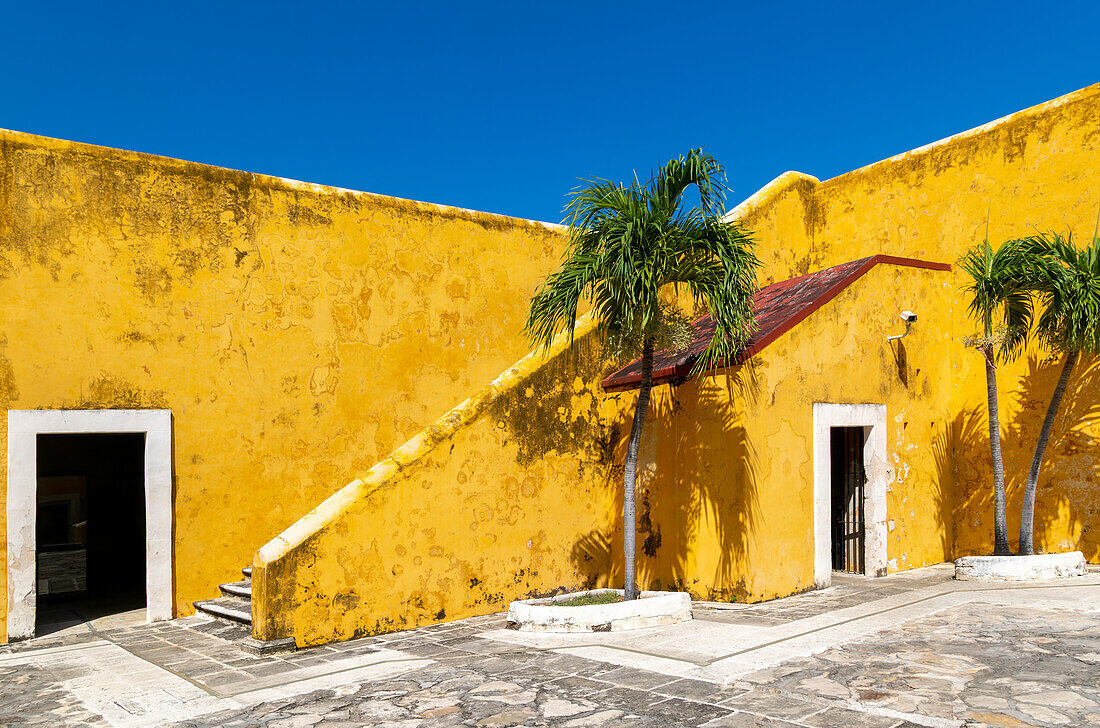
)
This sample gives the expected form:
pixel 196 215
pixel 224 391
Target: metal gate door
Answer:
pixel 848 478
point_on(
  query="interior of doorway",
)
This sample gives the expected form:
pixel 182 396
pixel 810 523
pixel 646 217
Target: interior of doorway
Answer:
pixel 90 530
pixel 848 482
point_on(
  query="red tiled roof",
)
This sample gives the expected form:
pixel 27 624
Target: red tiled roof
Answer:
pixel 779 307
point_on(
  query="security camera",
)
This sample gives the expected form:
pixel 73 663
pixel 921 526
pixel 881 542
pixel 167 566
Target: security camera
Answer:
pixel 908 317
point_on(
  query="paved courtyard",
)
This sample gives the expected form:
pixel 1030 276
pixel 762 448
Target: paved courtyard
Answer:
pixel 911 649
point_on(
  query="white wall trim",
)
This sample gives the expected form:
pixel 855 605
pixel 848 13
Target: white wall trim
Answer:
pixel 24 426
pixel 872 416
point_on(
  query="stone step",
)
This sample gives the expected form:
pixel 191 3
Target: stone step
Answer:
pixel 234 609
pixel 242 589
pixel 247 571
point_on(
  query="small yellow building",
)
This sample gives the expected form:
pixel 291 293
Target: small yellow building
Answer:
pixel 203 369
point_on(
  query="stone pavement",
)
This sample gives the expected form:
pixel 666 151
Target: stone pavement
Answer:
pixel 911 649
pixel 979 661
pixel 64 620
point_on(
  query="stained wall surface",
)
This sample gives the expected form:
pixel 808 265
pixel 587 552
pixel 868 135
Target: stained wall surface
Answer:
pixel 298 333
pixel 727 497
pixel 714 467
pixel 518 491
pixel 1032 171
pixel 492 502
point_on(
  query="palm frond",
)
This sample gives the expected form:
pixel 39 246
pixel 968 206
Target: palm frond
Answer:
pixel 628 243
pixel 695 168
pixel 1068 281
pixel 1000 291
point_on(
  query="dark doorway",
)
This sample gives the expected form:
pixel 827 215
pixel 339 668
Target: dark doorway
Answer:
pixel 90 527
pixel 848 479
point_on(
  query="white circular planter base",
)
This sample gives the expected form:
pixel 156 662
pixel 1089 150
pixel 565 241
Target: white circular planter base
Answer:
pixel 651 609
pixel 1020 568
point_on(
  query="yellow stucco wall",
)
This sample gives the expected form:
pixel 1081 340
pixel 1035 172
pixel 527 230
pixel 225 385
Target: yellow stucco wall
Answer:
pixel 298 333
pixel 727 487
pixel 1034 170
pixel 486 505
pixel 1031 171
pixel 518 491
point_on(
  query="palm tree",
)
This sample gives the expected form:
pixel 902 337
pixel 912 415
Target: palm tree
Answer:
pixel 1067 280
pixel 1000 298
pixel 628 244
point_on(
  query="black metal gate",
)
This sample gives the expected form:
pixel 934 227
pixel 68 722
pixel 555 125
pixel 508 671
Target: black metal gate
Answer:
pixel 848 478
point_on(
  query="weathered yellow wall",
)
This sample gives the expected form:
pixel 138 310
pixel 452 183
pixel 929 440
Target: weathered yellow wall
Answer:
pixel 485 506
pixel 519 490
pixel 1034 170
pixel 727 487
pixel 298 333
pixel 366 560
pixel 740 475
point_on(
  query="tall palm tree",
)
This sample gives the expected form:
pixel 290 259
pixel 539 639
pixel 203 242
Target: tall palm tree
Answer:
pixel 627 245
pixel 1067 280
pixel 1000 298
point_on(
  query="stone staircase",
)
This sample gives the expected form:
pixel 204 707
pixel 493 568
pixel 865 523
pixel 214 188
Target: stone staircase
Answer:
pixel 235 606
pixel 235 603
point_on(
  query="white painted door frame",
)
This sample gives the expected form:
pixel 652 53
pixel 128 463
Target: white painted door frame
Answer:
pixel 872 417
pixel 24 426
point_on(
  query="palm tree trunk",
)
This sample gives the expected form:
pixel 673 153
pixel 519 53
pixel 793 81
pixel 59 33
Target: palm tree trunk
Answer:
pixel 631 469
pixel 1000 521
pixel 1027 509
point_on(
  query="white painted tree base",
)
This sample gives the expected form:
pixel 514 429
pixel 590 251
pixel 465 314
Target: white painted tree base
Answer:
pixel 652 609
pixel 1020 568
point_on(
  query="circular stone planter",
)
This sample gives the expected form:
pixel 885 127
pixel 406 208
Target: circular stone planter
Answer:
pixel 651 609
pixel 1020 568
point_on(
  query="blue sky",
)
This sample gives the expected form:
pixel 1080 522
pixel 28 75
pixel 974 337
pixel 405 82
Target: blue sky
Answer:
pixel 501 107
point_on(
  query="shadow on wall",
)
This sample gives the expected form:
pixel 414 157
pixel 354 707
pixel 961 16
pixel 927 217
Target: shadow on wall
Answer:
pixel 559 409
pixel 963 468
pixel 564 410
pixel 901 362
pixel 1067 515
pixel 696 497
pixel 378 555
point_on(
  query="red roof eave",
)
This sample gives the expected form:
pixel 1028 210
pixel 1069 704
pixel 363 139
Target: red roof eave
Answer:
pixel 619 380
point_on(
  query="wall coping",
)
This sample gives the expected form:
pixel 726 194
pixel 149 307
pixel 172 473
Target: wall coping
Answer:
pixel 45 143
pixel 968 135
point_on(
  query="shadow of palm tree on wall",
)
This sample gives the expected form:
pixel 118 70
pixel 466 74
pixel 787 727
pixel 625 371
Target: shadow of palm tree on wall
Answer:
pixel 1067 515
pixel 696 493
pixel 553 415
pixel 963 467
pixel 598 555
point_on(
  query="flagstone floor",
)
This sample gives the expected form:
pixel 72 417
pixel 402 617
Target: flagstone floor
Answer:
pixel 911 649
